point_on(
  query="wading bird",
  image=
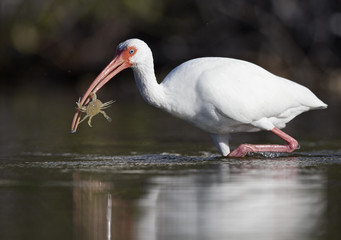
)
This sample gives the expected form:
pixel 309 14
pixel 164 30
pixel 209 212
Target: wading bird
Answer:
pixel 218 95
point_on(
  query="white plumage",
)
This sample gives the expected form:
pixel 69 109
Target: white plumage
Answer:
pixel 218 95
pixel 223 95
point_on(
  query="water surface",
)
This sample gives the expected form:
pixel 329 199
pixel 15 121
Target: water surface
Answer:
pixel 150 176
pixel 169 196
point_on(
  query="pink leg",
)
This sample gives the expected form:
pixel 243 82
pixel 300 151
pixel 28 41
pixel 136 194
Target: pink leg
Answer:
pixel 243 149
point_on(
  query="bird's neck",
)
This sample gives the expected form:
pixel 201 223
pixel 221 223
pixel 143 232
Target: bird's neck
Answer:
pixel 148 86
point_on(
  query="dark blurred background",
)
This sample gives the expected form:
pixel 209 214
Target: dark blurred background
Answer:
pixel 51 50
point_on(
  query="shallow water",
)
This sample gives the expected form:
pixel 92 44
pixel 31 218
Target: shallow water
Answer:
pixel 143 179
pixel 169 196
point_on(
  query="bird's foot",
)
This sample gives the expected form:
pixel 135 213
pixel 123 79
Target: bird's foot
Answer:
pixel 244 149
pixel 291 145
pixel 241 151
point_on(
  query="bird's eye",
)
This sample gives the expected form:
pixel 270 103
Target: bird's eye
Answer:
pixel 131 51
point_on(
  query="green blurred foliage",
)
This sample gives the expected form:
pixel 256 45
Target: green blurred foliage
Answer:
pixel 51 50
pixel 64 43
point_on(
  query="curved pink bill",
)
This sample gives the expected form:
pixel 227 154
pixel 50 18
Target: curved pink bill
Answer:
pixel 114 67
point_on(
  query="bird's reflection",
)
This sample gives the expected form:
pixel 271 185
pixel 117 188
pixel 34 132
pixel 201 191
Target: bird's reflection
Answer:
pixel 257 198
pixel 97 213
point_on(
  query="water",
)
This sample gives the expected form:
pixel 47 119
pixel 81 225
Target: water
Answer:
pixel 169 196
pixel 142 179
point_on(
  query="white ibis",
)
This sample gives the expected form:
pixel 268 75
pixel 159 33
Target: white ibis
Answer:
pixel 218 95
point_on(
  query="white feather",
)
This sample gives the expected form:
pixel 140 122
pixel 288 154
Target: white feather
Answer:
pixel 221 95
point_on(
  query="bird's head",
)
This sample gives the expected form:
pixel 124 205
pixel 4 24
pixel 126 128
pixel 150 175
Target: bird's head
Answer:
pixel 131 53
pixel 134 52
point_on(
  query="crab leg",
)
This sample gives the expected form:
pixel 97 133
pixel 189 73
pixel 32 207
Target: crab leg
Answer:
pixel 89 122
pixel 107 104
pixel 106 116
pixel 85 117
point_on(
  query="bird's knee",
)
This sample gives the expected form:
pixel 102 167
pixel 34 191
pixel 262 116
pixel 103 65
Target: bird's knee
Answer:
pixel 293 145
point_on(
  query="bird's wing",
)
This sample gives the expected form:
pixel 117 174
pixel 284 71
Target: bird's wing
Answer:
pixel 237 90
pixel 249 94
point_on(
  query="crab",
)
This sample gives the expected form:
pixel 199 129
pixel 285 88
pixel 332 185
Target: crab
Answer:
pixel 94 107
